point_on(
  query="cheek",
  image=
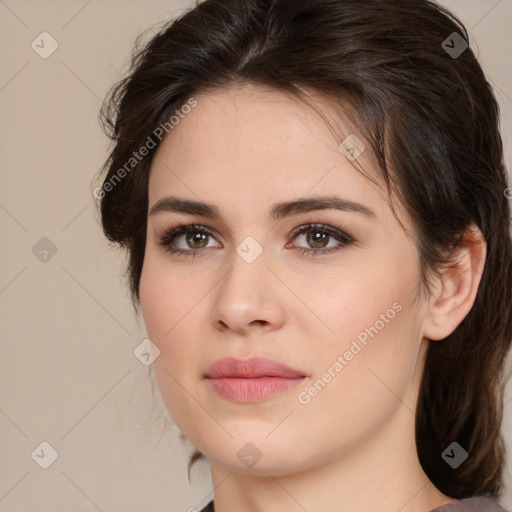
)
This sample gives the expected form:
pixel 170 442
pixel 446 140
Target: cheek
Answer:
pixel 173 303
pixel 372 340
pixel 371 311
pixel 366 374
pixel 166 295
pixel 167 309
pixel 361 295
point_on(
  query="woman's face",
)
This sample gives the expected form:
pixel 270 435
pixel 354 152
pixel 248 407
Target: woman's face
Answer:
pixel 339 303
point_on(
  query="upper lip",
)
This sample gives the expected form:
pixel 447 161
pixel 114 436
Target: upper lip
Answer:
pixel 249 368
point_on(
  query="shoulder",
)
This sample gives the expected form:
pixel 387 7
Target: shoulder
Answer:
pixel 474 504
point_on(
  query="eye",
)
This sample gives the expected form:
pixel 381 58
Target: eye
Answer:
pixel 319 235
pixel 195 238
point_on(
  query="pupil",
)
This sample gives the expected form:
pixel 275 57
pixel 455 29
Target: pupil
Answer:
pixel 196 237
pixel 322 236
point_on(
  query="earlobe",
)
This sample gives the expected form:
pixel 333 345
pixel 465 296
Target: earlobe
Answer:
pixel 455 289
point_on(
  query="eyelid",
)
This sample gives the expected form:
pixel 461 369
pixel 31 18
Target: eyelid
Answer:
pixel 172 232
pixel 332 230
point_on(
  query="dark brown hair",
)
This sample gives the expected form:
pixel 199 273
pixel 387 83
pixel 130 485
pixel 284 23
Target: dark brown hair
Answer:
pixel 430 119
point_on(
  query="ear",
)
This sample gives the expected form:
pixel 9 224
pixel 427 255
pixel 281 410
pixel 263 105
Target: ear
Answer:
pixel 454 291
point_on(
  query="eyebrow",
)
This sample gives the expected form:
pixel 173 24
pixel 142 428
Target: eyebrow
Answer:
pixel 277 212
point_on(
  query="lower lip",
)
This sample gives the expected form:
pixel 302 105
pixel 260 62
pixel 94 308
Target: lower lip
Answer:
pixel 252 389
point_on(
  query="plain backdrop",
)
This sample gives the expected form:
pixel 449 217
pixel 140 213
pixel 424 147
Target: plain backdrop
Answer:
pixel 68 374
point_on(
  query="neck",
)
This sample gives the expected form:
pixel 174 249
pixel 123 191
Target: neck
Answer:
pixel 381 474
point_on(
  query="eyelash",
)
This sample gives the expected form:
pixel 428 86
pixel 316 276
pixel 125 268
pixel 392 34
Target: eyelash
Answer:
pixel 168 237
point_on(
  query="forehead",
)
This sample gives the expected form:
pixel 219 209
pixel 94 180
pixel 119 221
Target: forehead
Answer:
pixel 252 143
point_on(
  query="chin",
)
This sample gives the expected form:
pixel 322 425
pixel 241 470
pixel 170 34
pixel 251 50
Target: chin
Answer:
pixel 250 459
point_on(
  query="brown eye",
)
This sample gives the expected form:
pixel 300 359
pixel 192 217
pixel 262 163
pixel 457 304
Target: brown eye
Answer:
pixel 318 237
pixel 197 240
pixel 186 239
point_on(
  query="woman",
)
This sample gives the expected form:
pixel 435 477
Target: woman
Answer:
pixel 313 198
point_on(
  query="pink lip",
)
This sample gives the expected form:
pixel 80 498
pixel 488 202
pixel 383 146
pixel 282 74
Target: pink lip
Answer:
pixel 251 380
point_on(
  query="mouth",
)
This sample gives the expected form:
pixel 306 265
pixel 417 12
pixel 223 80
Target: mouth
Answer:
pixel 251 380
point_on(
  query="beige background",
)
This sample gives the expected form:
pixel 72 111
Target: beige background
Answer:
pixel 68 374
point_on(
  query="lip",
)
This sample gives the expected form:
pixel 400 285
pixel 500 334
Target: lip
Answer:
pixel 250 368
pixel 251 380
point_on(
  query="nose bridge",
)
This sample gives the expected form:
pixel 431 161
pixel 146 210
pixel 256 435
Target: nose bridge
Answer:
pixel 248 261
pixel 247 273
pixel 245 294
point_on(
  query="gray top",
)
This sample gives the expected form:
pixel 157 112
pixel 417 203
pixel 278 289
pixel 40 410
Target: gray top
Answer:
pixel 475 504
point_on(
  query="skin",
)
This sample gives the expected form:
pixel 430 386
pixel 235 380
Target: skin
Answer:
pixel 352 446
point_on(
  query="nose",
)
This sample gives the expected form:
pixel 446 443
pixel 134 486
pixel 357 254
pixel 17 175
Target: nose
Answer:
pixel 249 298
